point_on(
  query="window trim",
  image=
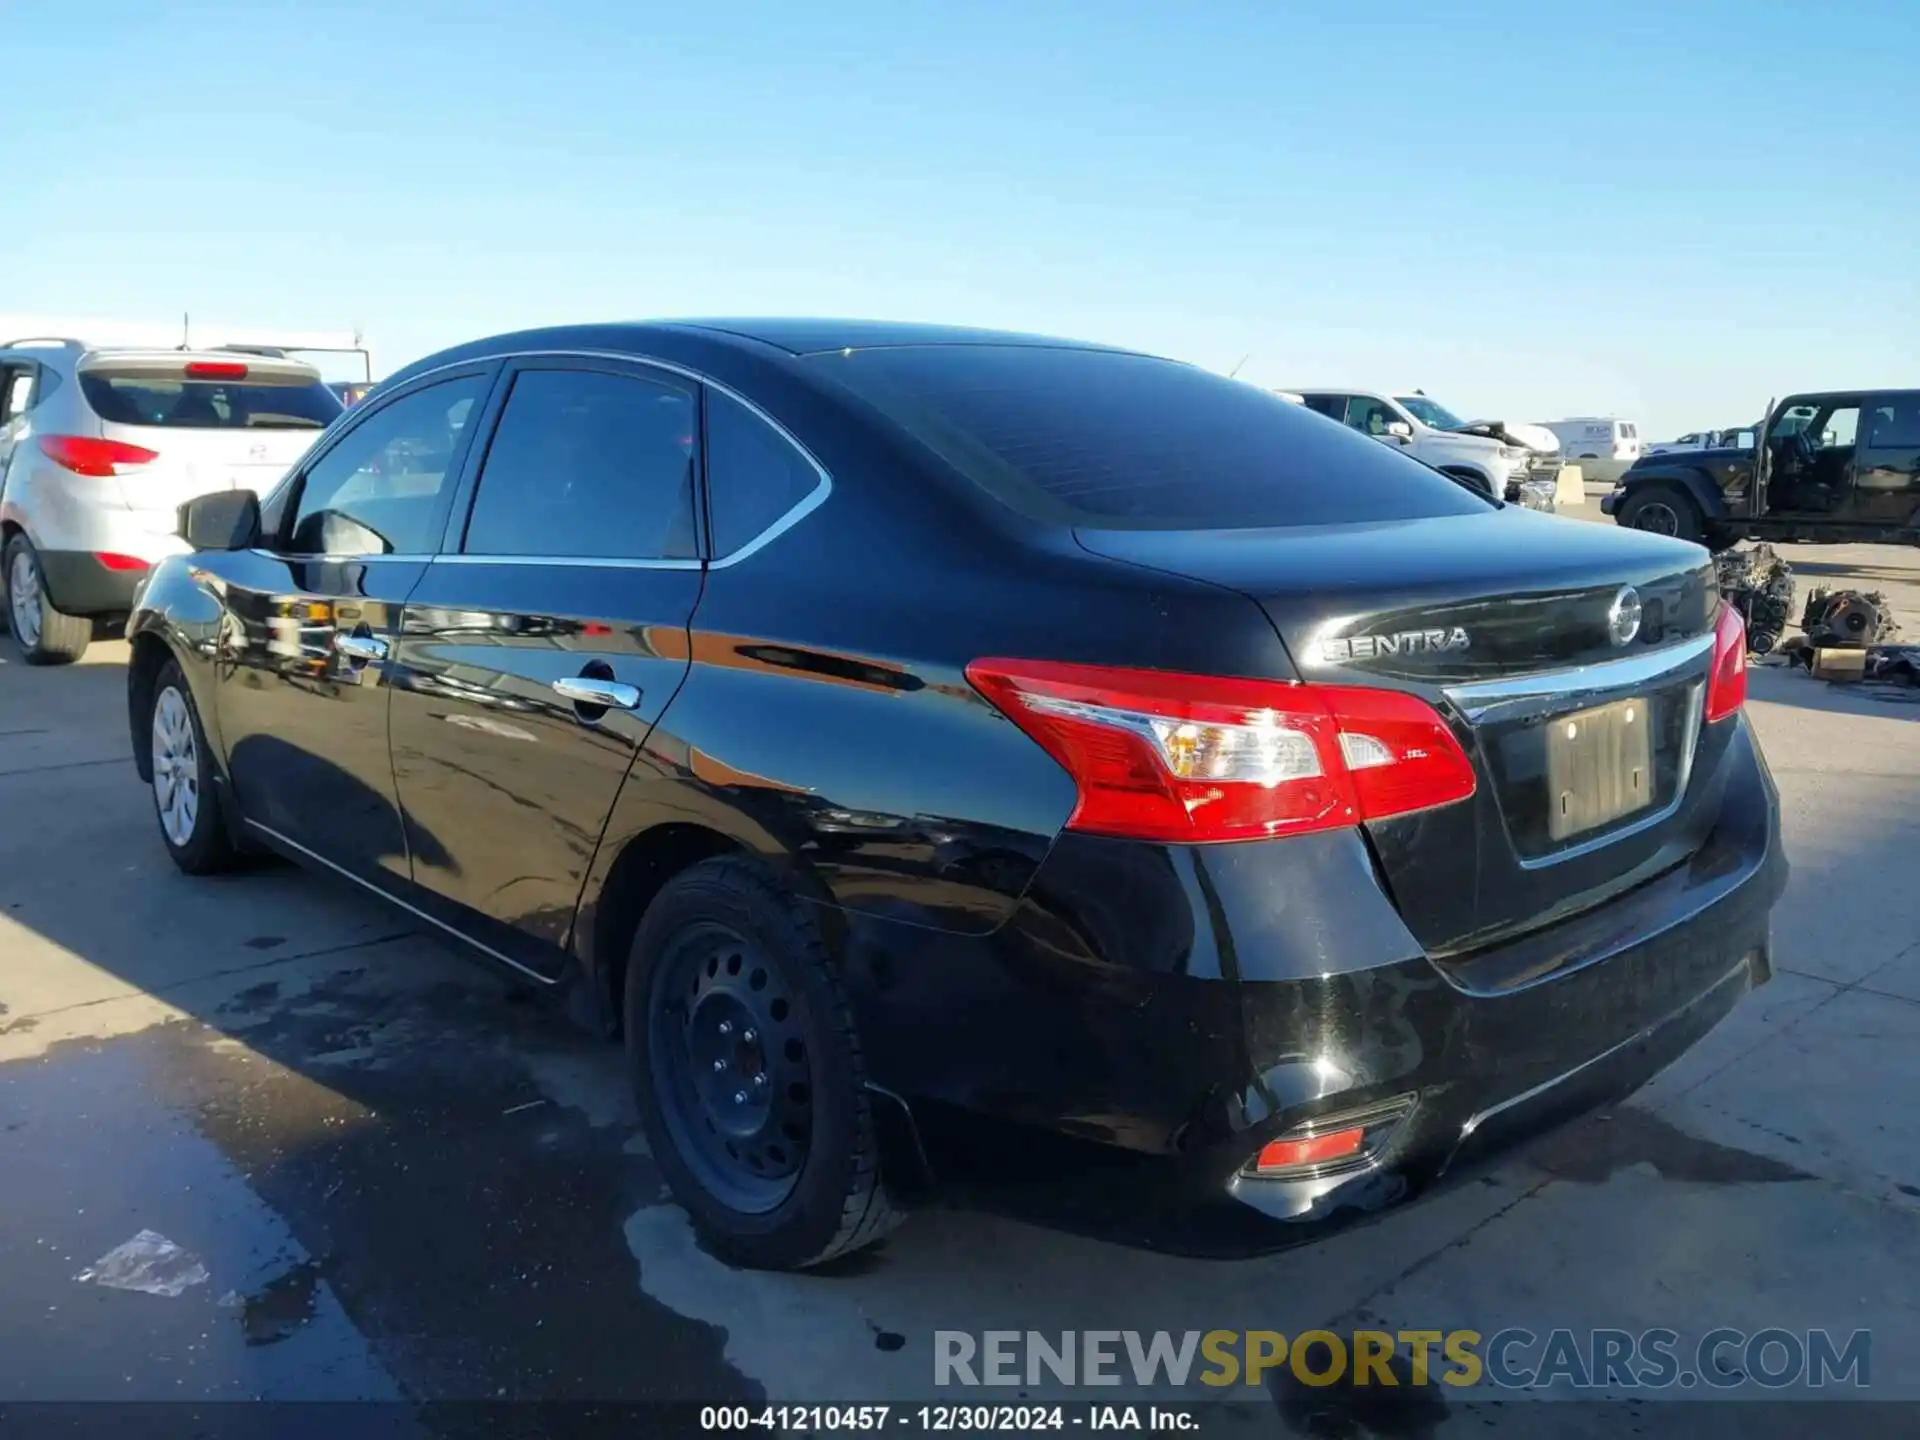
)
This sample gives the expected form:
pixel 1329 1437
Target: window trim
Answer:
pixel 496 403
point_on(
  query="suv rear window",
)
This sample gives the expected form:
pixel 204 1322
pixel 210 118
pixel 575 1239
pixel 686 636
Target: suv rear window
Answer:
pixel 1096 438
pixel 181 404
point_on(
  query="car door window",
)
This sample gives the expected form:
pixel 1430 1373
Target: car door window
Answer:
pixel 1838 430
pixel 589 464
pixel 381 489
pixel 1331 406
pixel 1370 417
pixel 755 475
pixel 1895 425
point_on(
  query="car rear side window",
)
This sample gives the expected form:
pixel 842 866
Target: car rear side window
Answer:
pixel 755 475
pixel 175 402
pixel 588 464
pixel 379 490
pixel 1098 438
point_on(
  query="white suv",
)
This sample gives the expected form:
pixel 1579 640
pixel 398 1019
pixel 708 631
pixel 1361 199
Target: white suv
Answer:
pixel 98 449
pixel 1429 431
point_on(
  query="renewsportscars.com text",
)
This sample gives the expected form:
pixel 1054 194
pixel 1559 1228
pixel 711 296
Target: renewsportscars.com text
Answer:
pixel 1514 1358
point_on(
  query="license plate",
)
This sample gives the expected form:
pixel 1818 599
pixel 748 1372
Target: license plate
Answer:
pixel 1599 766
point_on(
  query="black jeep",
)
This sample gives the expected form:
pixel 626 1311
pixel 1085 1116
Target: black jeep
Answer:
pixel 1843 466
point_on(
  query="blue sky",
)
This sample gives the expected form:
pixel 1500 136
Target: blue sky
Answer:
pixel 1667 211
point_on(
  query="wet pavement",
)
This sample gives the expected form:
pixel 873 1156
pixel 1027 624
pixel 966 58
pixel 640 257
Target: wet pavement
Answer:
pixel 372 1169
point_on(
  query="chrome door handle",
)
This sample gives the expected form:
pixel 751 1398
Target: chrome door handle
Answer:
pixel 360 647
pixel 603 694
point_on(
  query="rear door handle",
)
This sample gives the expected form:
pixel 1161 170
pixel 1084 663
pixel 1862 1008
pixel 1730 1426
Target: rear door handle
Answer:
pixel 604 694
pixel 362 648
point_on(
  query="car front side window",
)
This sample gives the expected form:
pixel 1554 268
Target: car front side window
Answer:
pixel 381 489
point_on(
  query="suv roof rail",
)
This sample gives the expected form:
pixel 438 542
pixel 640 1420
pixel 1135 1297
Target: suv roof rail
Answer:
pixel 65 342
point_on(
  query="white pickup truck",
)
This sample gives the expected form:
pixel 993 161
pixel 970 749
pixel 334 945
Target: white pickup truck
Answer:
pixel 1493 454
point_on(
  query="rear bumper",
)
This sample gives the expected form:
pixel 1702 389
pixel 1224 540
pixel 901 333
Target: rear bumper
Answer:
pixel 78 584
pixel 1189 1005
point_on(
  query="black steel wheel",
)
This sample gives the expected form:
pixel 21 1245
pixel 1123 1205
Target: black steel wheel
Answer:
pixel 730 1065
pixel 748 1072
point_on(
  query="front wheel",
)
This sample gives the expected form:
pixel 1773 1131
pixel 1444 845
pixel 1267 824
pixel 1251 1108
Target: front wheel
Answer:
pixel 1662 509
pixel 45 635
pixel 748 1073
pixel 191 823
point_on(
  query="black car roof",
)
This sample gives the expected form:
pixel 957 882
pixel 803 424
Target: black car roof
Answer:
pixel 1800 395
pixel 811 337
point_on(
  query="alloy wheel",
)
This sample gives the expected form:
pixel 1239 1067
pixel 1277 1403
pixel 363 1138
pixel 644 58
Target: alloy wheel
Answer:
pixel 1658 518
pixel 176 767
pixel 23 599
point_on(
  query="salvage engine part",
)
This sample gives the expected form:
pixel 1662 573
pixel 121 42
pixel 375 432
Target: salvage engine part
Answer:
pixel 1759 584
pixel 1897 664
pixel 1852 619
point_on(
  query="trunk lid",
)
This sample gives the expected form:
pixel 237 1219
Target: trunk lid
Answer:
pixel 1511 623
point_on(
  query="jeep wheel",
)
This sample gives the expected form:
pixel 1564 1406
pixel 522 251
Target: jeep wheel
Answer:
pixel 1663 509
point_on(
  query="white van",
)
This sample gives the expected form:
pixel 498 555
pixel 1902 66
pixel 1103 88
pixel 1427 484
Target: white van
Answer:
pixel 1602 446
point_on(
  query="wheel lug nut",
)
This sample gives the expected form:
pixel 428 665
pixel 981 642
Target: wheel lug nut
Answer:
pixel 718 1066
pixel 760 1081
pixel 749 1036
pixel 739 1097
pixel 726 1027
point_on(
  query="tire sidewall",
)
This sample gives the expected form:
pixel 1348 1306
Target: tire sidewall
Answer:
pixel 806 1221
pixel 17 546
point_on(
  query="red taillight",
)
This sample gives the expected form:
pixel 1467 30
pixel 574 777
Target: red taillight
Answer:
pixel 1159 755
pixel 1727 680
pixel 216 370
pixel 85 455
pixel 119 562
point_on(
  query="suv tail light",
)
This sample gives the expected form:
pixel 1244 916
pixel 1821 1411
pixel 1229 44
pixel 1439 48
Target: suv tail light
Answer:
pixel 1727 680
pixel 85 455
pixel 1164 756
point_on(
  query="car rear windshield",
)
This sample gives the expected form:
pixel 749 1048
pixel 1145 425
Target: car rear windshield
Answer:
pixel 1101 439
pixel 177 403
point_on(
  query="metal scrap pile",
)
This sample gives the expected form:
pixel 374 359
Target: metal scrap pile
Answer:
pixel 1759 584
pixel 1848 637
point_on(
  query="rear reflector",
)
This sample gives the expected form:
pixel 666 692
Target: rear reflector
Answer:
pixel 1727 680
pixel 1158 755
pixel 216 370
pixel 119 562
pixel 86 455
pixel 1311 1149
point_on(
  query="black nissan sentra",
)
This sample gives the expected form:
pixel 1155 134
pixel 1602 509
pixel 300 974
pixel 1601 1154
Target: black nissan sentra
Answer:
pixel 870 721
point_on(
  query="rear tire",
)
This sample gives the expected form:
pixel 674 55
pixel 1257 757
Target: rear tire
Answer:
pixel 1663 509
pixel 191 823
pixel 46 636
pixel 748 1073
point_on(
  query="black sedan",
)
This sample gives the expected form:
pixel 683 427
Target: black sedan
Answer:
pixel 871 720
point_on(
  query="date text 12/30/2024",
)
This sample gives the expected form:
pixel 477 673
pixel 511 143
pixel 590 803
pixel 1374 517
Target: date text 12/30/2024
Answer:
pixel 942 1418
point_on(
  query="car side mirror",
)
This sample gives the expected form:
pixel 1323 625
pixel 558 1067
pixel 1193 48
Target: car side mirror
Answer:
pixel 224 520
pixel 1399 430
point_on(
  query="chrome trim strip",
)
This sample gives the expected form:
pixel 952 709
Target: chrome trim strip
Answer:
pixel 583 562
pixel 292 559
pixel 393 899
pixel 801 508
pixel 1485 699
